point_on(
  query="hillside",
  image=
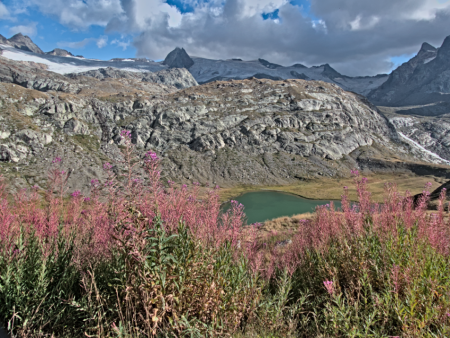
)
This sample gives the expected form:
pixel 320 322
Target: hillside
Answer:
pixel 235 132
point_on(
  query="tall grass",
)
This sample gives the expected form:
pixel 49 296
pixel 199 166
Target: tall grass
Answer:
pixel 138 258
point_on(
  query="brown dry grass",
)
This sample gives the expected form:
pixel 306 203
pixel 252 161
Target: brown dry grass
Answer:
pixel 331 189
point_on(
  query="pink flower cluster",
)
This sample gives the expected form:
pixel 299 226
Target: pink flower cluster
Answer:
pixel 329 286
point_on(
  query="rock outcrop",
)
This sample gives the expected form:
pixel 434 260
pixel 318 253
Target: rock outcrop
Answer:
pixel 430 132
pixel 59 52
pixel 177 77
pixel 178 58
pixel 3 40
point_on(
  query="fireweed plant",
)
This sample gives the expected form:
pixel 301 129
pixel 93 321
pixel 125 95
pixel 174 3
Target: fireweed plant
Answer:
pixel 141 258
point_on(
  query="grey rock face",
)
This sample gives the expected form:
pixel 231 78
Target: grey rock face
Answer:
pixel 59 52
pixel 31 76
pixel 176 77
pixel 178 58
pixel 269 64
pixel 422 80
pixel 25 43
pixel 430 132
pixel 3 40
pixel 75 127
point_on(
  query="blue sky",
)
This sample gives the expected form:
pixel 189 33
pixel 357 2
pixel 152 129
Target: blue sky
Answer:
pixel 357 37
pixel 51 34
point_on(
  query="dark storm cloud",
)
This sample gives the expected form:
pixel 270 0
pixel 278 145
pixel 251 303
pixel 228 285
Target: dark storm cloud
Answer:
pixel 357 37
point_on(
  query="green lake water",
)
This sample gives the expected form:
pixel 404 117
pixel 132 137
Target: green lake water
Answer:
pixel 261 206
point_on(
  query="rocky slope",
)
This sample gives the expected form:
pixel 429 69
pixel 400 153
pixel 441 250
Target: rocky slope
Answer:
pixel 235 132
pixel 177 77
pixel 430 132
pixel 423 80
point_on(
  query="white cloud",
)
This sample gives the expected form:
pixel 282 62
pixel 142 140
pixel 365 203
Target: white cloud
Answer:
pixel 102 41
pixel 76 44
pixel 78 14
pixel 30 29
pixel 356 37
pixel 4 13
pixel 123 44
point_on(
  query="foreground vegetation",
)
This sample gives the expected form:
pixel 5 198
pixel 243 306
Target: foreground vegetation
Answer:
pixel 137 258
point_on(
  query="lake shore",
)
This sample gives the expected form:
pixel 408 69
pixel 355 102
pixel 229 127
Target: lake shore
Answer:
pixel 331 189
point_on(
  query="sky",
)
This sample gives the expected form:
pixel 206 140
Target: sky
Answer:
pixel 356 37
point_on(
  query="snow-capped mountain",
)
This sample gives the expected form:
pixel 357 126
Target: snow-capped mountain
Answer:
pixel 22 42
pixel 423 79
pixel 204 70
pixel 76 64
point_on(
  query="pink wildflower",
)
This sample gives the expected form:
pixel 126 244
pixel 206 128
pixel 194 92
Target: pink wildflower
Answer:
pixel 151 156
pixel 126 134
pixel 76 193
pixel 329 286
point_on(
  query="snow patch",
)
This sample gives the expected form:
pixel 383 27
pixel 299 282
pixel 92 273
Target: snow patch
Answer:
pixel 429 60
pixel 421 148
pixel 64 65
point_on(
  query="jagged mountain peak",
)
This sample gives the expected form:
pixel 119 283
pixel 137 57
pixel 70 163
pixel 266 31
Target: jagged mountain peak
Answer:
pixel 24 42
pixel 330 72
pixel 268 64
pixel 444 50
pixel 422 80
pixel 426 47
pixel 178 58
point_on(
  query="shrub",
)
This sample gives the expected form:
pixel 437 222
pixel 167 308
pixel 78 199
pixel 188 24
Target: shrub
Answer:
pixel 134 258
pixel 366 271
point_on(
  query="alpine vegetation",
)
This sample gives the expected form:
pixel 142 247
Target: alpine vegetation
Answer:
pixel 139 257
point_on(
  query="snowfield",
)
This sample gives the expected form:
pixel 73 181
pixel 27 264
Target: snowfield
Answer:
pixel 73 64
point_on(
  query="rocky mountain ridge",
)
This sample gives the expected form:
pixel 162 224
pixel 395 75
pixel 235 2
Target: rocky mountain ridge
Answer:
pixel 423 80
pixel 177 77
pixel 22 42
pixel 203 70
pixel 35 76
pixel 59 52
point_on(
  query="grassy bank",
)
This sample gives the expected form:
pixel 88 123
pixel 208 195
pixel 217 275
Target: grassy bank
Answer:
pixel 331 189
pixel 137 258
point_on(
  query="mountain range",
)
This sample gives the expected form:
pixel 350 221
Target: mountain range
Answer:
pixel 214 121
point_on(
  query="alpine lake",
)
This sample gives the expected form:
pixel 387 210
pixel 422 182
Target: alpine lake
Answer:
pixel 260 206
